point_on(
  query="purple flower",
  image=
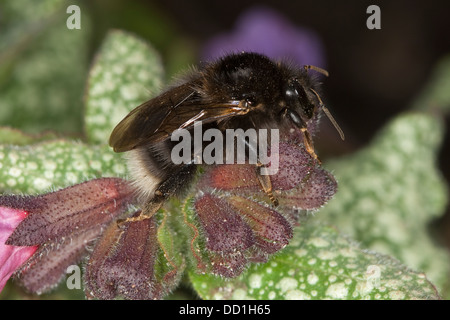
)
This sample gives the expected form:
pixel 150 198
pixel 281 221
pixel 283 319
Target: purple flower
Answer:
pixel 40 236
pixel 265 31
pixel 236 217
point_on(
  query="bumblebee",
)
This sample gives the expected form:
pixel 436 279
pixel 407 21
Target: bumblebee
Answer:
pixel 245 90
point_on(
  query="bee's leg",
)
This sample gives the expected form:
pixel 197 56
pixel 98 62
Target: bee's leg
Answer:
pixel 169 187
pixel 149 209
pixel 266 184
pixel 175 182
pixel 264 180
pixel 307 140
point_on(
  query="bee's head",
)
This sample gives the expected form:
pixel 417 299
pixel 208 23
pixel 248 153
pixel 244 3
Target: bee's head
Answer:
pixel 271 91
pixel 302 102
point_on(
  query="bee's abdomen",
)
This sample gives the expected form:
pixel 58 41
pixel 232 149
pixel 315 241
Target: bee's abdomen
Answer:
pixel 149 166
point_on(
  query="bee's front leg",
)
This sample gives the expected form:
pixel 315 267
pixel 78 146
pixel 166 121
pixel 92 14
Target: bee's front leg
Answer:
pixel 300 123
pixel 264 180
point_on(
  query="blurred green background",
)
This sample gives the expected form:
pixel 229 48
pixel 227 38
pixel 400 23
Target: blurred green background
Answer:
pixel 375 74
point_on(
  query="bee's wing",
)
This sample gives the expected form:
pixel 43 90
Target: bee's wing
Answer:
pixel 156 119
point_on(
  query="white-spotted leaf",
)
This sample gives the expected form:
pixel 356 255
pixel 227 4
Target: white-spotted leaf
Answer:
pixel 43 66
pixel 126 73
pixel 391 190
pixel 321 264
pixel 436 94
pixel 57 163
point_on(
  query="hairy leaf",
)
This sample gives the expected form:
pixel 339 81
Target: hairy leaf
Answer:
pixel 320 263
pixel 43 66
pixel 126 72
pixel 56 163
pixel 391 190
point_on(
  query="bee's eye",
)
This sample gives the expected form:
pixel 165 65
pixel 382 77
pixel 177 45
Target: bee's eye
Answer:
pixel 250 101
pixel 291 91
pixel 296 96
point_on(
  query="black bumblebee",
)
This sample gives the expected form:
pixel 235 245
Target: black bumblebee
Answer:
pixel 246 90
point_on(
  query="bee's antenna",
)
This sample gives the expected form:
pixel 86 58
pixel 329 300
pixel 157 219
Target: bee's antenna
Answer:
pixel 328 113
pixel 320 70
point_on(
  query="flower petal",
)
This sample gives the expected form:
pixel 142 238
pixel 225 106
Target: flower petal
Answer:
pixel 317 190
pixel 62 223
pixel 225 230
pixel 229 264
pixel 271 230
pixel 48 265
pixel 70 210
pixel 123 261
pixel 11 257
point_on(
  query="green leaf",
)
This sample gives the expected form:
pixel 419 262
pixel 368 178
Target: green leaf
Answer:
pixel 43 66
pixel 126 73
pixel 391 190
pixel 22 19
pixel 57 163
pixel 320 263
pixel 17 137
pixel 171 263
pixel 436 95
